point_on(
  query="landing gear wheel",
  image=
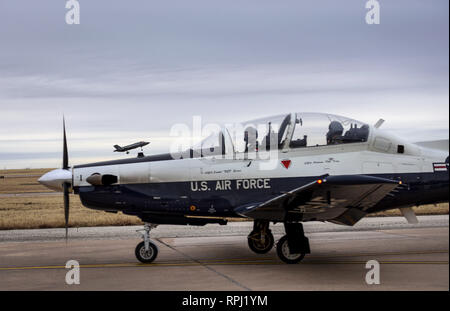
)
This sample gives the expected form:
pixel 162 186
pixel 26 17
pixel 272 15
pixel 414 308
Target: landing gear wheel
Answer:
pixel 146 256
pixel 261 243
pixel 284 253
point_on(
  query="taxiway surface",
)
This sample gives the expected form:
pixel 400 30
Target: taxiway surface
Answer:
pixel 411 257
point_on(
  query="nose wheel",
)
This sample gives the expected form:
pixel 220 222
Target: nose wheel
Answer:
pixel 144 255
pixel 146 251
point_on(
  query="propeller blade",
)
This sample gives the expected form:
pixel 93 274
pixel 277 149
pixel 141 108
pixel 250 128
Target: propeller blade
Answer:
pixel 66 206
pixel 66 185
pixel 65 152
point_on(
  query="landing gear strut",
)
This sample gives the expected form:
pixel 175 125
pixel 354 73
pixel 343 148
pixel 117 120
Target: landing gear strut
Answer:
pixel 260 240
pixel 146 251
pixel 293 247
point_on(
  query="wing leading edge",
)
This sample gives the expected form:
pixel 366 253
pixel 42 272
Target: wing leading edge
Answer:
pixel 340 199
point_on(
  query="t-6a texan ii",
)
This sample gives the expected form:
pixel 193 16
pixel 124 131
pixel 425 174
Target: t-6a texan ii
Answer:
pixel 290 168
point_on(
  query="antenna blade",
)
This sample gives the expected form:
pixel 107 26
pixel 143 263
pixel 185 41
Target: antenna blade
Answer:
pixel 379 123
pixel 409 214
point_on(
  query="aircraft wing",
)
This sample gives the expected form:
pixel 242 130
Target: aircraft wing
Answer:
pixel 341 199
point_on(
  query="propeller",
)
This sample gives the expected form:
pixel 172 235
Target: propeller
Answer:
pixel 65 153
pixel 61 179
pixel 66 185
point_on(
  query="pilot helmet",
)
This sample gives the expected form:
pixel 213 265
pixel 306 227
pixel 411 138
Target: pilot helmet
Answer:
pixel 336 128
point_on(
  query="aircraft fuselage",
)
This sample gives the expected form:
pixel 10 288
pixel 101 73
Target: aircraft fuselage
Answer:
pixel 289 168
pixel 214 187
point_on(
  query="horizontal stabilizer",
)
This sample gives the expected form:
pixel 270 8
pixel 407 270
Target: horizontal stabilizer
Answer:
pixel 435 144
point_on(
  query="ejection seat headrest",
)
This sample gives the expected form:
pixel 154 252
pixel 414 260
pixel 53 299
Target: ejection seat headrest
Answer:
pixel 336 127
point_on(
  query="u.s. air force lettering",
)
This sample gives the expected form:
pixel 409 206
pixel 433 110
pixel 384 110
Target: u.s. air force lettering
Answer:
pixel 227 185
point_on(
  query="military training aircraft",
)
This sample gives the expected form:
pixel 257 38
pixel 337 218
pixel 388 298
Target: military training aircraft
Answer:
pixel 290 168
pixel 130 147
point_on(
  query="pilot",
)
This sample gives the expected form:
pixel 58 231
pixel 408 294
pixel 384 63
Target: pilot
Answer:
pixel 334 135
pixel 250 137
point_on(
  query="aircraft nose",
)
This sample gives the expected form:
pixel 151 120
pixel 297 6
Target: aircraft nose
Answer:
pixel 55 179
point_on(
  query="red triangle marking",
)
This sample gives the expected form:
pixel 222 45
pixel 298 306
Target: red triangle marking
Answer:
pixel 286 163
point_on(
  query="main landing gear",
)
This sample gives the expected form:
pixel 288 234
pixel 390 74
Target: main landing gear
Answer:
pixel 291 248
pixel 146 251
pixel 260 240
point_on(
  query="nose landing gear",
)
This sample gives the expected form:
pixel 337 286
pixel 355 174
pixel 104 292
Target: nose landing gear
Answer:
pixel 146 251
pixel 260 240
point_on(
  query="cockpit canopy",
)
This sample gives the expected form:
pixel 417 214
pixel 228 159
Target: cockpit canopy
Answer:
pixel 295 130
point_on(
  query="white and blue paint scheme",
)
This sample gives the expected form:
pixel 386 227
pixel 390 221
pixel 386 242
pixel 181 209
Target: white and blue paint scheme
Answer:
pixel 290 168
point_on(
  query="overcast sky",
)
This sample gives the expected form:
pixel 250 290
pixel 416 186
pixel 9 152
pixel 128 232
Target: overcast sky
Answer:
pixel 132 69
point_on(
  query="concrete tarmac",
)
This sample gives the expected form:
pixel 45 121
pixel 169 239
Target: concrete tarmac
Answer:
pixel 411 258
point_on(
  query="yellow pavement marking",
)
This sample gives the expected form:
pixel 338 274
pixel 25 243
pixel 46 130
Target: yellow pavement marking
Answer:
pixel 254 261
pixel 223 262
pixel 382 254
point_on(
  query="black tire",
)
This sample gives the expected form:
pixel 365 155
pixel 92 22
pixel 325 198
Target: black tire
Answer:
pixel 257 247
pixel 283 252
pixel 144 257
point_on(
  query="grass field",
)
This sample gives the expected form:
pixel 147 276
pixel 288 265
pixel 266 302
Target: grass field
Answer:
pixel 22 181
pixel 46 211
